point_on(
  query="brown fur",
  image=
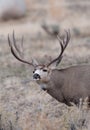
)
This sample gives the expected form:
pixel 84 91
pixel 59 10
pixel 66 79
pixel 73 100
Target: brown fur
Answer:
pixel 70 84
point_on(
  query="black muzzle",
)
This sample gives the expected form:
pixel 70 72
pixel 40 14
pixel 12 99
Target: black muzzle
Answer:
pixel 36 76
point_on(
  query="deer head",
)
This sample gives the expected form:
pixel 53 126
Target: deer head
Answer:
pixel 41 72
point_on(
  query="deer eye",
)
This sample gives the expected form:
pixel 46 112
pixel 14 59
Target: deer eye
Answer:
pixel 45 70
pixel 33 71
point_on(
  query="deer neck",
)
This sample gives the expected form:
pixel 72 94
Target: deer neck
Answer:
pixel 55 86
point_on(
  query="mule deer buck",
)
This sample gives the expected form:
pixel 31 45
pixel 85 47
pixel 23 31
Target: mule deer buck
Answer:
pixel 65 85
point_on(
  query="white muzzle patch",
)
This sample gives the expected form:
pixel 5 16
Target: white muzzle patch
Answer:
pixel 41 73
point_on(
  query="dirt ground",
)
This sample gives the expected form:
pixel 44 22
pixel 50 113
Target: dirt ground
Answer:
pixel 23 105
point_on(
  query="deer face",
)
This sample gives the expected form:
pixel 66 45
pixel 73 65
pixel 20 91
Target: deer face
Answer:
pixel 41 74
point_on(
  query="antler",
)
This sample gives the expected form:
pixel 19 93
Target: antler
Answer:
pixel 15 51
pixel 63 43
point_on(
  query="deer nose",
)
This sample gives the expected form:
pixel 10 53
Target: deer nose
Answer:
pixel 36 76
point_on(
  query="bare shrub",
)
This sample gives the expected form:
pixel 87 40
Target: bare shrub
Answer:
pixel 12 9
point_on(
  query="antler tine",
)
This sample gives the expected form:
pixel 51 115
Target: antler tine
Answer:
pixel 67 37
pixel 65 41
pixel 63 44
pixel 58 59
pixel 14 41
pixel 15 48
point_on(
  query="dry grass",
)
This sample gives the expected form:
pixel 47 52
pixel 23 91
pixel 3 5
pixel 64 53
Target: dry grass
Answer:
pixel 73 118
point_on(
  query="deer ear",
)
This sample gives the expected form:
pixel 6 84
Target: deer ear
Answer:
pixel 34 61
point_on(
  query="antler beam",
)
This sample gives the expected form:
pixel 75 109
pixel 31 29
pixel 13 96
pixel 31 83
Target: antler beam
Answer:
pixel 63 44
pixel 15 51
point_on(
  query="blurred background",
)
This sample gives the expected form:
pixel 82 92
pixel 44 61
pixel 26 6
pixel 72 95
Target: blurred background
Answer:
pixel 23 105
pixel 32 13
